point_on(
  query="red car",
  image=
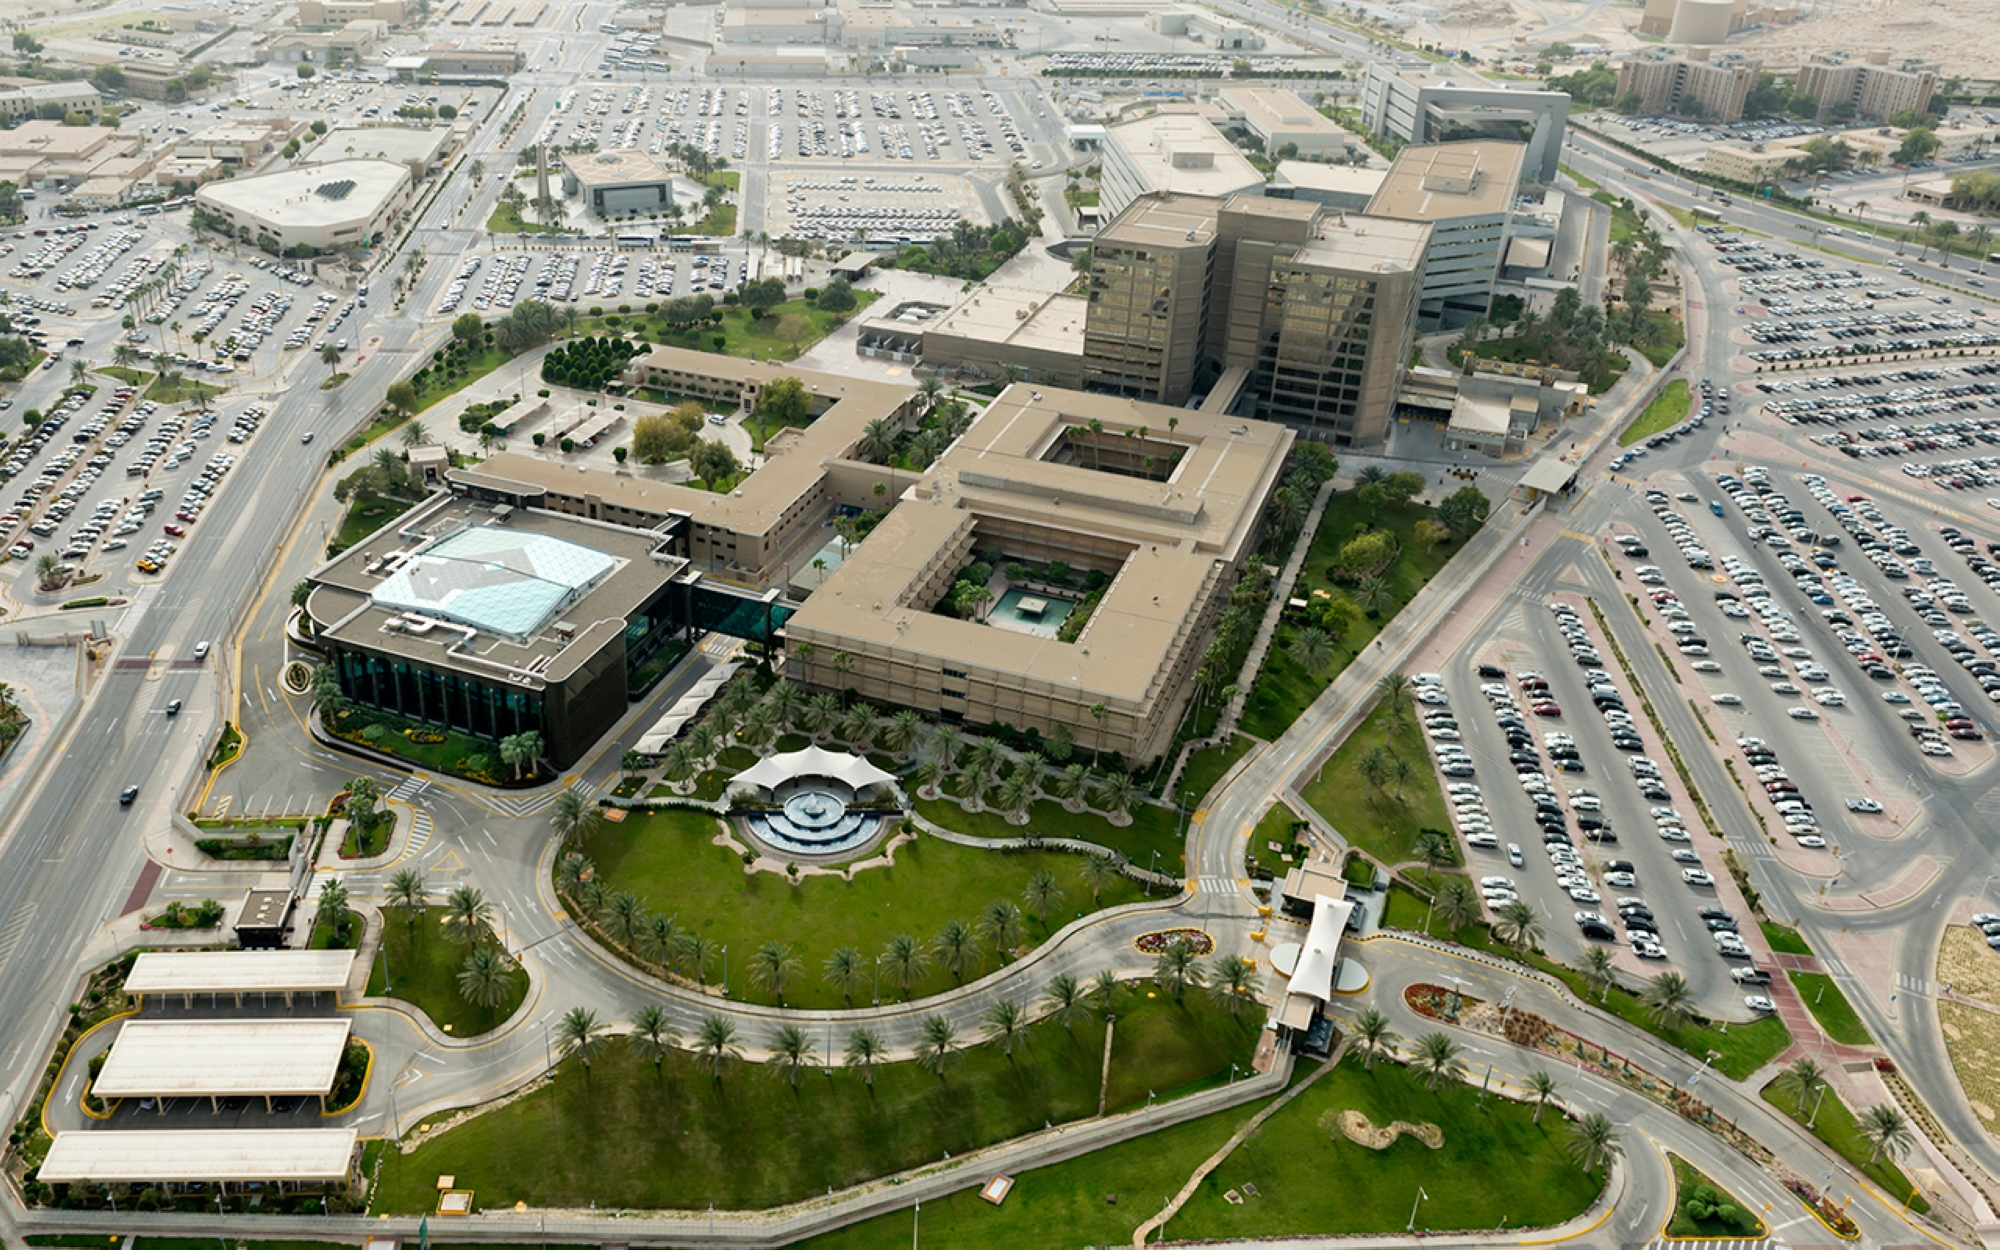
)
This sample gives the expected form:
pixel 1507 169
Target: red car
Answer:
pixel 1968 735
pixel 1548 709
pixel 175 530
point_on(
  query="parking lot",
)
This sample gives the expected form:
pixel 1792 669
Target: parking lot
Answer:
pixel 496 282
pixel 817 205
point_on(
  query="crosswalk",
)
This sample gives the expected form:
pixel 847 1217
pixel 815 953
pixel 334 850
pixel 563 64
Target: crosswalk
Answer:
pixel 1217 885
pixel 420 832
pixel 1833 965
pixel 1723 1243
pixel 16 927
pixel 410 787
pixel 1919 986
pixel 536 802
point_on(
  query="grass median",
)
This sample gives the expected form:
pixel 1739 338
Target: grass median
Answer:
pixel 1380 817
pixel 420 964
pixel 1668 409
pixel 1834 1123
pixel 1837 1017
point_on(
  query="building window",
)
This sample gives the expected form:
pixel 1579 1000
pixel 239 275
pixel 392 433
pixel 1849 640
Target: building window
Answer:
pixel 953 672
pixel 951 694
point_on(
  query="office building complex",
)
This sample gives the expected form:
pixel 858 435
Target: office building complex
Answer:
pixel 1873 89
pixel 1690 83
pixel 1417 108
pixel 1466 192
pixel 1175 149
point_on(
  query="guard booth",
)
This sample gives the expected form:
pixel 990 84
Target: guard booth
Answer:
pixel 1550 479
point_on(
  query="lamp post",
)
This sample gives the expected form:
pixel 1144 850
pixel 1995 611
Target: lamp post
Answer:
pixel 1421 1195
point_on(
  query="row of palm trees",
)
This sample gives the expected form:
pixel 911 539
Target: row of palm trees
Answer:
pixel 1007 1024
pixel 777 966
pixel 486 978
pixel 1593 1138
pixel 1886 1129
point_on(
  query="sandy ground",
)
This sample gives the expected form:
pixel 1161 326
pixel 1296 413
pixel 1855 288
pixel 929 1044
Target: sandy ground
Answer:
pixel 1493 24
pixel 1956 33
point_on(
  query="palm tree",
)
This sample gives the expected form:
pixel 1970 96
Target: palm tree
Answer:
pixel 858 726
pixel 1007 1024
pixel 1374 594
pixel 573 816
pixel 1668 999
pixel 1071 784
pixel 698 953
pixel 660 940
pixel 878 441
pixel 329 355
pixel 1600 970
pixel 955 947
pixel 1104 990
pixel 819 713
pixel 1375 766
pixel 845 969
pixel 1594 1140
pixel 1098 871
pixel 654 1036
pixel 1375 1037
pixel 1063 999
pixel 774 967
pixel 1437 1057
pixel 409 892
pixel 1434 848
pixel 1116 793
pixel 1888 1131
pixel 1543 1087
pixel 467 914
pixel 902 732
pixel 486 978
pixel 581 1035
pixel 1234 984
pixel 1802 1079
pixel 864 1051
pixel 1042 894
pixel 78 371
pixel 788 700
pixel 1392 691
pixel 1457 905
pixel 937 1045
pixel 416 434
pixel 624 918
pixel 715 1046
pixel 1000 927
pixel 1517 925
pixel 906 961
pixel 791 1051
pixel 1311 649
pixel 1178 970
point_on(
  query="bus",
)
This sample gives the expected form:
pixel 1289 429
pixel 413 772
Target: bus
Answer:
pixel 1704 214
pixel 638 240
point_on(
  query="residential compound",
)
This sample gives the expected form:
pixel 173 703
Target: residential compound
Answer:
pixel 537 595
pixel 1690 83
pixel 1414 107
pixel 1873 89
pixel 1309 311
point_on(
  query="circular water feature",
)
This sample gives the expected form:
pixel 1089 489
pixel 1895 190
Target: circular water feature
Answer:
pixel 812 816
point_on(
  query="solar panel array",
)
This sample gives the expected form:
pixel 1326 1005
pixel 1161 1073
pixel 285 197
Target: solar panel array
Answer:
pixel 335 190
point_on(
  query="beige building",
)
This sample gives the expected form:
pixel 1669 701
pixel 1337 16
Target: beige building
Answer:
pixel 1037 333
pixel 1336 186
pixel 618 182
pixel 340 12
pixel 241 142
pixel 1149 292
pixel 1747 164
pixel 1160 510
pixel 1690 83
pixel 1873 89
pixel 31 99
pixel 1466 192
pixel 1173 150
pixel 1281 118
pixel 341 204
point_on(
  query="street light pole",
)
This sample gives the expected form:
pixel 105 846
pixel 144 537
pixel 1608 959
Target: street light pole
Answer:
pixel 1421 1195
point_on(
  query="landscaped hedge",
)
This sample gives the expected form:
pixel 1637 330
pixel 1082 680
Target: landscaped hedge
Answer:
pixel 591 362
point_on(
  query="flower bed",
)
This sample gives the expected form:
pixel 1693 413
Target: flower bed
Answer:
pixel 1829 1212
pixel 1159 940
pixel 1435 1002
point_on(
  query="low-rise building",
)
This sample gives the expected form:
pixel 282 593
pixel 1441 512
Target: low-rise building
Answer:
pixel 38 99
pixel 150 80
pixel 1204 27
pixel 1040 335
pixel 1347 187
pixel 1748 164
pixel 1176 151
pixel 618 181
pixel 422 148
pixel 1282 119
pixel 239 143
pixel 329 207
pixel 340 12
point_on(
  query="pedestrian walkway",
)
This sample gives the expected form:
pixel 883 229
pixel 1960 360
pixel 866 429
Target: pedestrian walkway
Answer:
pixel 420 832
pixel 409 788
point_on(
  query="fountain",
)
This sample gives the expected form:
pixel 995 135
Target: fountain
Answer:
pixel 811 812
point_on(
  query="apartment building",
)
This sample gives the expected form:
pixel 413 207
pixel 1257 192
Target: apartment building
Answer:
pixel 1690 83
pixel 1873 88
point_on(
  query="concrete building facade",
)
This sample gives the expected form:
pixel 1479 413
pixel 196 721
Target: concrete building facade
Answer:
pixel 1283 118
pixel 1174 150
pixel 1874 88
pixel 340 12
pixel 327 207
pixel 30 99
pixel 1690 83
pixel 1149 291
pixel 1417 108
pixel 1466 192
pixel 618 182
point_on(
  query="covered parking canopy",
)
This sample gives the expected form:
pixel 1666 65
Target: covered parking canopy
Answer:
pixel 217 1059
pixel 188 973
pixel 310 1156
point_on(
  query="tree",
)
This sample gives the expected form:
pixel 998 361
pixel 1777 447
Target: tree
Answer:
pixel 1000 926
pixel 715 1046
pixel 1374 1036
pixel 1437 1057
pixel 402 396
pixel 1234 984
pixel 1098 871
pixel 660 939
pixel 468 915
pixel 1668 999
pixel 1888 1132
pixel 624 918
pixel 1402 487
pixel 1593 1140
pixel 572 816
pixel 1916 146
pixel 654 1036
pixel 713 462
pixel 837 296
pixel 1543 1087
pixel 1178 969
pixel 937 1045
pixel 333 909
pixel 1600 970
pixel 581 1035
pixel 791 1053
pixel 485 979
pixel 1104 990
pixel 795 329
pixel 864 1051
pixel 1517 925
pixel 784 402
pixel 329 355
pixel 1434 848
pixel 878 441
pixel 1457 905
pixel 1311 649
pixel 774 966
pixel 1042 894
pixel 1465 509
pixel 409 893
pixel 1064 999
pixel 1802 1079
pixel 416 434
pixel 955 947
pixel 1007 1024
pixel 906 961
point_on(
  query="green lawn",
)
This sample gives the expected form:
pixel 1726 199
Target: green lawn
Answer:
pixel 1668 337
pixel 1379 821
pixel 1668 409
pixel 1206 767
pixel 1588 184
pixel 451 756
pixel 1609 367
pixel 1274 826
pixel 628 1136
pixel 669 860
pixel 1836 1016
pixel 183 391
pixel 1282 689
pixel 1308 1182
pixel 435 387
pixel 1783 940
pixel 719 222
pixel 423 972
pixel 1153 839
pixel 1687 1179
pixel 1836 1126
pixel 507 219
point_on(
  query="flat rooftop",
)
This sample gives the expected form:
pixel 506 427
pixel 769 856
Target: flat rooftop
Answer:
pixel 1018 317
pixel 1345 179
pixel 1180 150
pixel 223 1058
pixel 1163 221
pixel 614 169
pixel 231 972
pixel 522 594
pixel 1366 244
pixel 300 1155
pixel 1273 108
pixel 311 195
pixel 409 144
pixel 1437 181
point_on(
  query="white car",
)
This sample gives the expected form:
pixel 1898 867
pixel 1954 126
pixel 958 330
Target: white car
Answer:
pixel 1759 1003
pixel 1431 695
pixel 1705 666
pixel 1866 806
pixel 1648 950
pixel 1497 883
pixel 1514 854
pixel 1811 841
pixel 1620 880
pixel 1802 713
pixel 1696 876
pixel 1829 697
pixel 1727 699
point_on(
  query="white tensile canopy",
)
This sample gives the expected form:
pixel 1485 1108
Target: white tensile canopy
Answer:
pixel 776 770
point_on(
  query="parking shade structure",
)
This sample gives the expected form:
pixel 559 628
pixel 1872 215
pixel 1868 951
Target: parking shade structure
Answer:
pixel 223 1059
pixel 285 1157
pixel 188 973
